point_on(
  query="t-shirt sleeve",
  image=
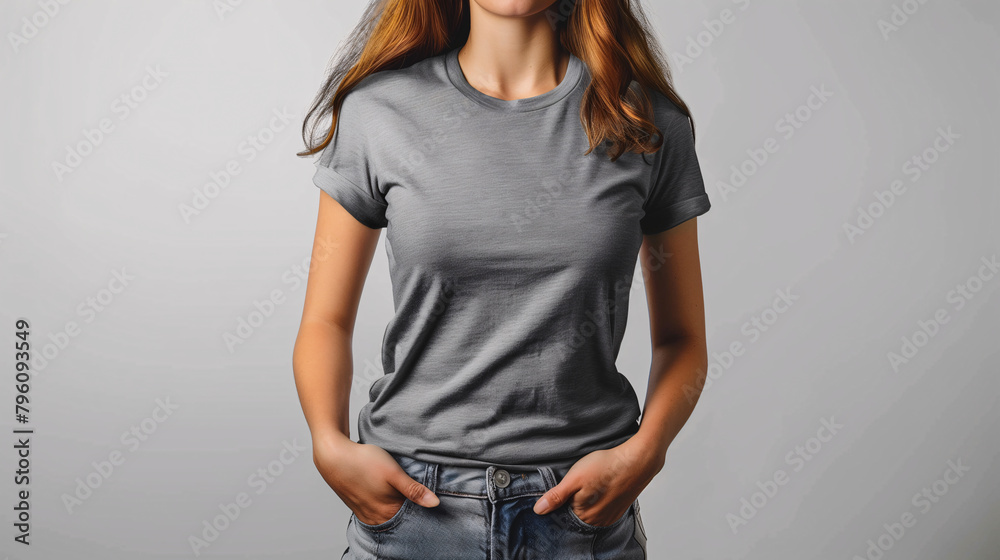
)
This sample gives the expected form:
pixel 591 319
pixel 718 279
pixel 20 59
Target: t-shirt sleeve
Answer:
pixel 345 170
pixel 677 192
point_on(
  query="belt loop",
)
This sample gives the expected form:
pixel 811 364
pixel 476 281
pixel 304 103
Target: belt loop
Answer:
pixel 490 487
pixel 430 476
pixel 547 476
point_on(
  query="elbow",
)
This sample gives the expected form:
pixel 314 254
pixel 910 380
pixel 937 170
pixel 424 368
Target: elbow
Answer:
pixel 691 340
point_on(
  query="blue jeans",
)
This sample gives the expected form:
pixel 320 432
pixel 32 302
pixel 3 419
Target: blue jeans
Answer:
pixel 486 514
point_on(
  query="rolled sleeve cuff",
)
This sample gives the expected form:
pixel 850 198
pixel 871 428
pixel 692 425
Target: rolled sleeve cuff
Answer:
pixel 354 199
pixel 674 215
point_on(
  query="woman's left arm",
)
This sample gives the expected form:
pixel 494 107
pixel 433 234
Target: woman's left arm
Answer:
pixel 671 270
pixel 603 484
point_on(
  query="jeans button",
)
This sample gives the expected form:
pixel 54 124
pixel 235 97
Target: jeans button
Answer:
pixel 501 478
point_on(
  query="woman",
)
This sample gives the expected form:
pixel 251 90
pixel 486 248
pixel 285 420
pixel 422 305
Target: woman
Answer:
pixel 521 155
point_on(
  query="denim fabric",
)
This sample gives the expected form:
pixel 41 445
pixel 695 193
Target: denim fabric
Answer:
pixel 486 514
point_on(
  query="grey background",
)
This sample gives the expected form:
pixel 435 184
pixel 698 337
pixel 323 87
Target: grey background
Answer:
pixel 826 356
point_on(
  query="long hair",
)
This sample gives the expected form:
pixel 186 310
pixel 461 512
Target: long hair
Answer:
pixel 612 37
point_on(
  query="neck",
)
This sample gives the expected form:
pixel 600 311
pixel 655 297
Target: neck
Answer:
pixel 512 57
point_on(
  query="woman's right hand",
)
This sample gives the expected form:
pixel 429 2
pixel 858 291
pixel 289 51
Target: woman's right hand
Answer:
pixel 367 478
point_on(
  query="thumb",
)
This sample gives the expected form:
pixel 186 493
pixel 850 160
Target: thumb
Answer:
pixel 553 498
pixel 413 490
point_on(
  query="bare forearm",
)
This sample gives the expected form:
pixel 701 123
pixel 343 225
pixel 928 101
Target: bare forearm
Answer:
pixel 672 392
pixel 323 366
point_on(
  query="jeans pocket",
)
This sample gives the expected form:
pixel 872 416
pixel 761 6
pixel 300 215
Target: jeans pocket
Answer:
pixel 385 525
pixel 640 530
pixel 571 515
pixel 630 512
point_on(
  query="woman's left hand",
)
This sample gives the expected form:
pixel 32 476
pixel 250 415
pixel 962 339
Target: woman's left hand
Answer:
pixel 603 484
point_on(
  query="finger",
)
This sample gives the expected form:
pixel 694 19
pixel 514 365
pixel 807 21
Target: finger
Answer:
pixel 413 490
pixel 555 497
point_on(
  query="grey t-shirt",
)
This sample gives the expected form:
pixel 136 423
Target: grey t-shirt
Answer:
pixel 511 256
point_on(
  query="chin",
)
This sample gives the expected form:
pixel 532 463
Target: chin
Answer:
pixel 514 8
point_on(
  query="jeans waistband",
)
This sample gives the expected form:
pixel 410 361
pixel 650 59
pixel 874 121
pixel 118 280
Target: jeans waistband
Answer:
pixel 481 482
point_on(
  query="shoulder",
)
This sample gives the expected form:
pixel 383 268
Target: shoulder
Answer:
pixel 394 88
pixel 667 115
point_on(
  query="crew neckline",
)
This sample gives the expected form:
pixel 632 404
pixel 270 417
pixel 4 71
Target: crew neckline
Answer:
pixel 572 78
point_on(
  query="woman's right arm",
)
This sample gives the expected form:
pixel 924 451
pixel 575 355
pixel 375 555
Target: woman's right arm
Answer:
pixel 322 360
pixel 366 477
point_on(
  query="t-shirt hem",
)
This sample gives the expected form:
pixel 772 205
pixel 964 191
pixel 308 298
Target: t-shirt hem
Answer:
pixel 559 465
pixel 365 209
pixel 460 462
pixel 676 214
